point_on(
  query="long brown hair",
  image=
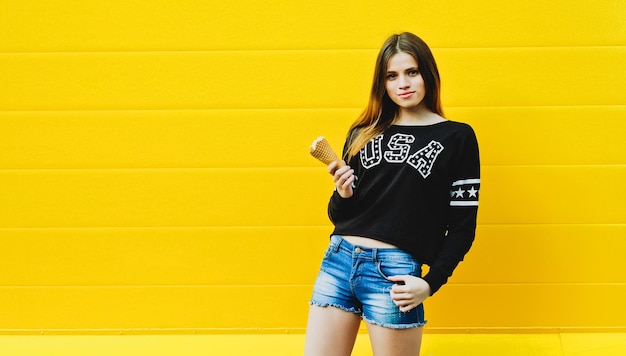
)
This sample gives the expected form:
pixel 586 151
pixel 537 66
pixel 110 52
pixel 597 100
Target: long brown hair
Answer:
pixel 381 111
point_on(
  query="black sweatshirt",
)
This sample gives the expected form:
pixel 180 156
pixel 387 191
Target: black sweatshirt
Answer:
pixel 416 188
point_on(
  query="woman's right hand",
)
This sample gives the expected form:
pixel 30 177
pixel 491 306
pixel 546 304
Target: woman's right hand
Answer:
pixel 343 178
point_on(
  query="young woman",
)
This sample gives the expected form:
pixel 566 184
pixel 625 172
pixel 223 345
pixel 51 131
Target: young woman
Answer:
pixel 408 196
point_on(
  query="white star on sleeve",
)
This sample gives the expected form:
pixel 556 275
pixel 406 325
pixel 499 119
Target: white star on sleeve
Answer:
pixel 473 192
pixel 459 193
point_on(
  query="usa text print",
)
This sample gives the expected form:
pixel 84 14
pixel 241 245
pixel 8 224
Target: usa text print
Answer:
pixel 398 152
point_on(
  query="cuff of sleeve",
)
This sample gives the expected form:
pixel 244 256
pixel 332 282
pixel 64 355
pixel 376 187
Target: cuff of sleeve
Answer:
pixel 337 207
pixel 338 199
pixel 435 280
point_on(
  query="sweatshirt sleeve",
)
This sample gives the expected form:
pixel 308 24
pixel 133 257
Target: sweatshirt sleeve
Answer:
pixel 338 207
pixel 462 212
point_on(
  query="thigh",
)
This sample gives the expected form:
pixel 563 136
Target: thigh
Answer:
pixel 395 342
pixel 330 331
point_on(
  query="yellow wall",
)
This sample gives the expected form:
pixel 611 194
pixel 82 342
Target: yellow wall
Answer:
pixel 154 173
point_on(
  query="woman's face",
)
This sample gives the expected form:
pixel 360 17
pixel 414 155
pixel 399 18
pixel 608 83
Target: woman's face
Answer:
pixel 404 82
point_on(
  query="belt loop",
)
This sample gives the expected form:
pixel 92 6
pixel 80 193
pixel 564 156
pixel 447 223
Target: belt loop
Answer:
pixel 337 243
pixel 375 254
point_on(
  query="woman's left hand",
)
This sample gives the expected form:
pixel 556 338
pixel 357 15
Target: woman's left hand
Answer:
pixel 410 294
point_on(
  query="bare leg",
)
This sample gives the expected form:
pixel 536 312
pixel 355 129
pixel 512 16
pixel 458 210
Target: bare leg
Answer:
pixel 330 332
pixel 395 342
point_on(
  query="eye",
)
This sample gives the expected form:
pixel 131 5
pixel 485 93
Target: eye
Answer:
pixel 391 76
pixel 414 72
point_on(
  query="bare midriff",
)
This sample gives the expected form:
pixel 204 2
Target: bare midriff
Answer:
pixel 366 242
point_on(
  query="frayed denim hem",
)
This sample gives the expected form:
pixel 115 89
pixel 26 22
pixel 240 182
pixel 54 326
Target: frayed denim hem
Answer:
pixel 324 305
pixel 395 326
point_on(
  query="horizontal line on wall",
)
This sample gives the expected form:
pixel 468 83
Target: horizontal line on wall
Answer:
pixel 614 284
pixel 160 286
pixel 242 227
pixel 287 331
pixel 273 168
pixel 206 110
pixel 554 224
pixel 282 285
pixel 555 165
pixel 269 227
pixel 308 109
pixel 524 330
pixel 259 227
pixel 261 50
pixel 172 169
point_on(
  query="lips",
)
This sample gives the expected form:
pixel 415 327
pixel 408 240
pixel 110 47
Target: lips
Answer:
pixel 406 95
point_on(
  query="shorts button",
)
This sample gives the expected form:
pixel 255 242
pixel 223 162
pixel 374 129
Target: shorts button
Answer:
pixel 357 250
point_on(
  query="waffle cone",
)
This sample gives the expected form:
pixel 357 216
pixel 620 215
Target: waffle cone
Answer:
pixel 321 150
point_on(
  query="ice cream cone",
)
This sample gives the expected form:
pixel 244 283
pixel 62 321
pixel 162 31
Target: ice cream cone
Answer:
pixel 321 150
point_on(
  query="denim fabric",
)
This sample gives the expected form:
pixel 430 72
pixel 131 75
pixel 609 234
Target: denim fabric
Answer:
pixel 354 279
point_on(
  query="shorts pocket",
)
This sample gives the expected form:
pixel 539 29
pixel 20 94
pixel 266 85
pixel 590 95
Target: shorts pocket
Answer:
pixel 388 268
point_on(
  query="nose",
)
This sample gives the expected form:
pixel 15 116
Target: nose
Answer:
pixel 403 82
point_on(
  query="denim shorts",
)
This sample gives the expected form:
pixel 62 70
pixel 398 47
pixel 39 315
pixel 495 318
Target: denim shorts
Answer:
pixel 354 279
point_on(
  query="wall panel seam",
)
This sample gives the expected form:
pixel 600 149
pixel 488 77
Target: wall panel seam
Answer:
pixel 291 109
pixel 269 227
pixel 274 50
pixel 294 285
pixel 273 168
